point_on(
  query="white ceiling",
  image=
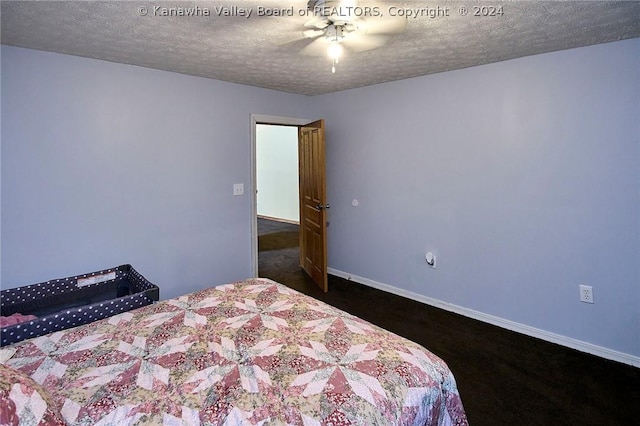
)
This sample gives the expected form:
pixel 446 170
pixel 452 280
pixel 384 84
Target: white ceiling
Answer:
pixel 258 50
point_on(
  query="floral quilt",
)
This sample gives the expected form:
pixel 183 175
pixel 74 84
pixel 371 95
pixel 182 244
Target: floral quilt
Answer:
pixel 248 353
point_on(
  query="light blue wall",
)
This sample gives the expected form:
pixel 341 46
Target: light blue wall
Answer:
pixel 105 163
pixel 277 172
pixel 523 177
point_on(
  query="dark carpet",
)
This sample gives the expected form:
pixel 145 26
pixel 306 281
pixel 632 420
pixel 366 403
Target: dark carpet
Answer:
pixel 504 378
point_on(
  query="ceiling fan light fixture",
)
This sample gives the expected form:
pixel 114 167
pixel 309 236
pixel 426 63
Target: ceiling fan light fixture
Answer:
pixel 332 30
pixel 335 51
pixel 335 34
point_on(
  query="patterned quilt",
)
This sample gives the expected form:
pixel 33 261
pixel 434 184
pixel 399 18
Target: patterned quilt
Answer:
pixel 247 353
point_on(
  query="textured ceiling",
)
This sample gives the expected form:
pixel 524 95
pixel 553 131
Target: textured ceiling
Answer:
pixel 259 50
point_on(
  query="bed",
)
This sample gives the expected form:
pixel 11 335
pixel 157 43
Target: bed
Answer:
pixel 253 352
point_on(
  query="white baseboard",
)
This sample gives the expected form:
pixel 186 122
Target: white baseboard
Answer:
pixel 500 322
pixel 279 219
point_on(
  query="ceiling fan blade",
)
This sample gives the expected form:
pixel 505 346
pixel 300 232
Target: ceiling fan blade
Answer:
pixel 381 25
pixel 290 37
pixel 318 47
pixel 318 22
pixel 362 43
pixel 312 33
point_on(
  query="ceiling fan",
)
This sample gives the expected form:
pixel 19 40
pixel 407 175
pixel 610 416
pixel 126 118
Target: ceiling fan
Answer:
pixel 338 25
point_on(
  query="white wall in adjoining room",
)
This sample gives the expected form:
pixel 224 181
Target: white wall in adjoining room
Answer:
pixel 106 163
pixel 523 177
pixel 277 172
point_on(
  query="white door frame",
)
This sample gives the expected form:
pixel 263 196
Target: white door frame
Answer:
pixel 262 119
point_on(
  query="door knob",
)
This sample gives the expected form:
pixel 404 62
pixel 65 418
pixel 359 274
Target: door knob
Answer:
pixel 320 207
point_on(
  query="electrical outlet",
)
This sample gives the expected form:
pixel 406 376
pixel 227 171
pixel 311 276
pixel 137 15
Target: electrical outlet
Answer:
pixel 586 294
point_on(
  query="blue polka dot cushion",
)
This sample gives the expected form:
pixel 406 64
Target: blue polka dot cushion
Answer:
pixel 69 302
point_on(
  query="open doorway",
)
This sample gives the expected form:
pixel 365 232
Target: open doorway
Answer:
pixel 275 253
pixel 278 203
pixel 257 119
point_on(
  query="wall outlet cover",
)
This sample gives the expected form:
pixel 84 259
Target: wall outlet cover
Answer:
pixel 586 294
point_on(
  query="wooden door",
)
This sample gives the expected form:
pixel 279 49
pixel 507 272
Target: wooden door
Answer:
pixel 313 203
